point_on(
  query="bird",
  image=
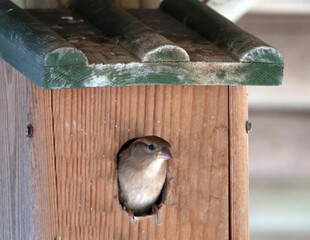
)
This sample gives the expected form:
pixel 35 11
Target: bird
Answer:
pixel 142 171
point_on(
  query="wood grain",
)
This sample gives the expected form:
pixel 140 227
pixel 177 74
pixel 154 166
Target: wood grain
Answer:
pixel 239 178
pixel 99 48
pixel 132 34
pixel 198 48
pixel 91 125
pixel 27 176
pixel 220 31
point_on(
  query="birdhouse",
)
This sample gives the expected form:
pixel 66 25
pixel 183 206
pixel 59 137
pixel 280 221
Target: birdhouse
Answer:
pixel 78 83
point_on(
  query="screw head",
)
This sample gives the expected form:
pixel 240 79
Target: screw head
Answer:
pixel 29 131
pixel 249 127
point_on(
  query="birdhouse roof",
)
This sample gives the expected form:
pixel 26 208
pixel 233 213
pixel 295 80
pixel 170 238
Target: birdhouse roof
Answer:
pixel 97 44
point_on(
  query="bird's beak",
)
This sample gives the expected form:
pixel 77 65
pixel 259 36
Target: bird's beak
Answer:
pixel 164 154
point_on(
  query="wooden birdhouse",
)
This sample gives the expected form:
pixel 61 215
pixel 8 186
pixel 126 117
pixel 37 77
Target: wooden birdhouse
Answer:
pixel 77 83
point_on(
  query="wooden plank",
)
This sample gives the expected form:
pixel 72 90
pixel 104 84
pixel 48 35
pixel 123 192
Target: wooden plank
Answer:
pixel 27 176
pixel 91 125
pixel 239 178
pixel 89 39
pixel 219 30
pixel 84 36
pixel 133 35
pixel 198 48
pixel 30 46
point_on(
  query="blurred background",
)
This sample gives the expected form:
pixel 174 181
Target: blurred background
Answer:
pixel 279 146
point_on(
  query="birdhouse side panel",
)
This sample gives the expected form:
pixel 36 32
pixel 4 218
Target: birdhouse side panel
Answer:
pixel 27 168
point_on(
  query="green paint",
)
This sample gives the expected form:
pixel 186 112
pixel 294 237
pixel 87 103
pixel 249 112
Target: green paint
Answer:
pixel 132 74
pixel 64 57
pixel 220 31
pixel 52 63
pixel 133 35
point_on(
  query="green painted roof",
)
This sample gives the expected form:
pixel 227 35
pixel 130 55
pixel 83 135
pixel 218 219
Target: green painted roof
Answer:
pixel 98 44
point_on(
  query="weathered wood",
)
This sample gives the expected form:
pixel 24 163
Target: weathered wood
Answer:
pixel 32 47
pixel 238 165
pixel 90 127
pixel 219 30
pixel 53 62
pixel 88 39
pixel 133 35
pixel 198 48
pixel 97 46
pixel 28 199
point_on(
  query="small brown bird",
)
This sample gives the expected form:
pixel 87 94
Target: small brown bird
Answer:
pixel 142 170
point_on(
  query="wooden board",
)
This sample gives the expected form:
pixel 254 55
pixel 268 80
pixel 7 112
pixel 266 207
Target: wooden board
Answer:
pixel 91 125
pixel 27 173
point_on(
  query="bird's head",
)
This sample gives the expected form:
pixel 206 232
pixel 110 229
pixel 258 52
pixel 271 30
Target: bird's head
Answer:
pixel 151 148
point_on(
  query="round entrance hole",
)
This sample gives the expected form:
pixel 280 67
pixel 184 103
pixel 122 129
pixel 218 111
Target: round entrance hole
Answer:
pixel 142 165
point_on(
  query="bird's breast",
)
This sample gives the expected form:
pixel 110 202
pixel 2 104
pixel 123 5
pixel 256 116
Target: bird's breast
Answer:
pixel 154 168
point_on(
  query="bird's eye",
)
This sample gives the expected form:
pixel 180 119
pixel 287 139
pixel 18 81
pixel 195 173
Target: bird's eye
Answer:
pixel 151 147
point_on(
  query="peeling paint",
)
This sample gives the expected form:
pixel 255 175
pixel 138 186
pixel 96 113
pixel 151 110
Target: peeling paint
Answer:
pixel 97 81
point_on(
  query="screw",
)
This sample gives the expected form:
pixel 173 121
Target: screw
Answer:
pixel 249 127
pixel 29 131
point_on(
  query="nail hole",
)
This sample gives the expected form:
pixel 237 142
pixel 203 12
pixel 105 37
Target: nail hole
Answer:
pixel 155 207
pixel 29 131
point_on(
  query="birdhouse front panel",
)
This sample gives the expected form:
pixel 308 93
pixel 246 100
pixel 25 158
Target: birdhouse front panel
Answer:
pixel 90 127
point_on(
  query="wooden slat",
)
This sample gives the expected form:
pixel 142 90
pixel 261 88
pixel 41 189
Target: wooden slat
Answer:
pixel 91 125
pixel 132 34
pixel 239 179
pixel 198 48
pixel 220 31
pixel 30 46
pixel 27 177
pixel 84 36
pixel 89 39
